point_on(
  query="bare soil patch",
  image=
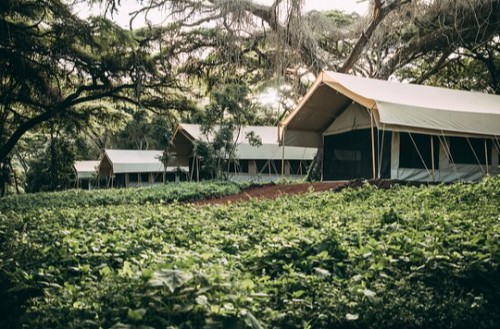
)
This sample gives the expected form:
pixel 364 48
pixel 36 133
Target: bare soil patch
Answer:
pixel 273 191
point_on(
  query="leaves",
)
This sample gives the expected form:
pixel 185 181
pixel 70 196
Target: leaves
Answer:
pixel 172 279
pixel 323 260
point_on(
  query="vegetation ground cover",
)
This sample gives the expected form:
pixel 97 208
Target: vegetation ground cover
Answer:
pixel 181 192
pixel 417 257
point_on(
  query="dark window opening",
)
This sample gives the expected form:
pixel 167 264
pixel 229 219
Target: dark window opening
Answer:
pixel 262 166
pixel 267 167
pixel 120 180
pixel 145 177
pixel 238 166
pixel 471 151
pixel 133 178
pixel 170 177
pixel 413 148
pixel 158 177
pixel 299 167
pixel 349 155
pixel 275 166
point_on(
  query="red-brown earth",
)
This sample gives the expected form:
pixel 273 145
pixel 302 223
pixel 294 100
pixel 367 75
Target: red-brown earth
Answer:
pixel 272 191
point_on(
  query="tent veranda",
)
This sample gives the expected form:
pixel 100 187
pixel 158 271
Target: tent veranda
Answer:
pixel 379 129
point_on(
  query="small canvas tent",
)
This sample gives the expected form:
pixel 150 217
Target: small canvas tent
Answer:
pixel 85 174
pixel 266 162
pixel 371 128
pixel 131 168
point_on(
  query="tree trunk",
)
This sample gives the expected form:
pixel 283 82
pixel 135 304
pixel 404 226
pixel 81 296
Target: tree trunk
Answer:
pixel 53 169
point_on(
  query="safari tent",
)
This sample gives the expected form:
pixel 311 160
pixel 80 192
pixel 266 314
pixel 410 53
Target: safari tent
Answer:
pixel 132 168
pixel 85 174
pixel 367 128
pixel 266 162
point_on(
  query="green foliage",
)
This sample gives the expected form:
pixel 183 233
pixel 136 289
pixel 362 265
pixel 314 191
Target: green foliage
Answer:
pixel 53 168
pixel 180 192
pixel 55 65
pixel 145 132
pixel 207 154
pixel 229 109
pixel 361 258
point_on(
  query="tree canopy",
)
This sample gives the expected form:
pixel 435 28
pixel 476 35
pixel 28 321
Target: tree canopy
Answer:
pixel 54 64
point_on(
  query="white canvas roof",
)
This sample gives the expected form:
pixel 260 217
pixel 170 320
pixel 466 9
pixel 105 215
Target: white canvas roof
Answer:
pixel 268 135
pixel 269 150
pixel 137 161
pixel 395 106
pixel 86 169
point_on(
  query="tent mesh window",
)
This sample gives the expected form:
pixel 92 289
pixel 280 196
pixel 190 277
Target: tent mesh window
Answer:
pixel 262 166
pixel 469 150
pixel 268 167
pixel 170 177
pixel 275 166
pixel 145 177
pixel 299 167
pixel 133 178
pixel 158 177
pixel 238 166
pixel 349 155
pixel 414 148
pixel 120 180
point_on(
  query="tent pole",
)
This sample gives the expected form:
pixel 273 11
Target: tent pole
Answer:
pixel 283 153
pixel 197 168
pixel 373 145
pixel 486 155
pixel 432 159
pixel 191 175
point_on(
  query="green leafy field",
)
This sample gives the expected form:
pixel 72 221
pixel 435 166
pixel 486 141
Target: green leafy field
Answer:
pixel 133 196
pixel 361 258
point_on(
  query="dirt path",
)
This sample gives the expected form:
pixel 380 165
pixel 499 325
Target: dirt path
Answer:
pixel 271 191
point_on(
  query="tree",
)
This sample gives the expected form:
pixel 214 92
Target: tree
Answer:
pixel 432 35
pixel 288 41
pixel 54 168
pixel 55 65
pixel 229 109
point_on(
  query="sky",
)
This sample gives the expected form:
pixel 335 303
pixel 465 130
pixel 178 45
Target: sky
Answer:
pixel 122 18
pixel 346 5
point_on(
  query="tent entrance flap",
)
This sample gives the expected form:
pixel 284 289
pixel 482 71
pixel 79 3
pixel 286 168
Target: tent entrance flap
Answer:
pixel 349 155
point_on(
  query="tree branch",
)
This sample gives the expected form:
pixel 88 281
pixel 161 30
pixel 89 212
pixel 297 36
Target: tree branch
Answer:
pixel 435 68
pixel 379 13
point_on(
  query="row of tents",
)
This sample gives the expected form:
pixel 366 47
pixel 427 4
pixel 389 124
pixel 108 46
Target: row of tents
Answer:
pixel 265 161
pixel 358 127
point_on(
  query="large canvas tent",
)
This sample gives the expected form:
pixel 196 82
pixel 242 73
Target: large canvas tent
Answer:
pixel 131 168
pixel 266 162
pixel 370 128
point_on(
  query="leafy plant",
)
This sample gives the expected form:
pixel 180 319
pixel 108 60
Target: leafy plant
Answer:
pixel 362 258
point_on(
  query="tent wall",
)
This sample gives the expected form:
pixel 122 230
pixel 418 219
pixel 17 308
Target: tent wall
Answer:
pixel 182 149
pixel 446 167
pixel 402 155
pixel 412 157
pixel 348 155
pixel 459 161
pixel 353 118
pixel 253 170
pixel 105 167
